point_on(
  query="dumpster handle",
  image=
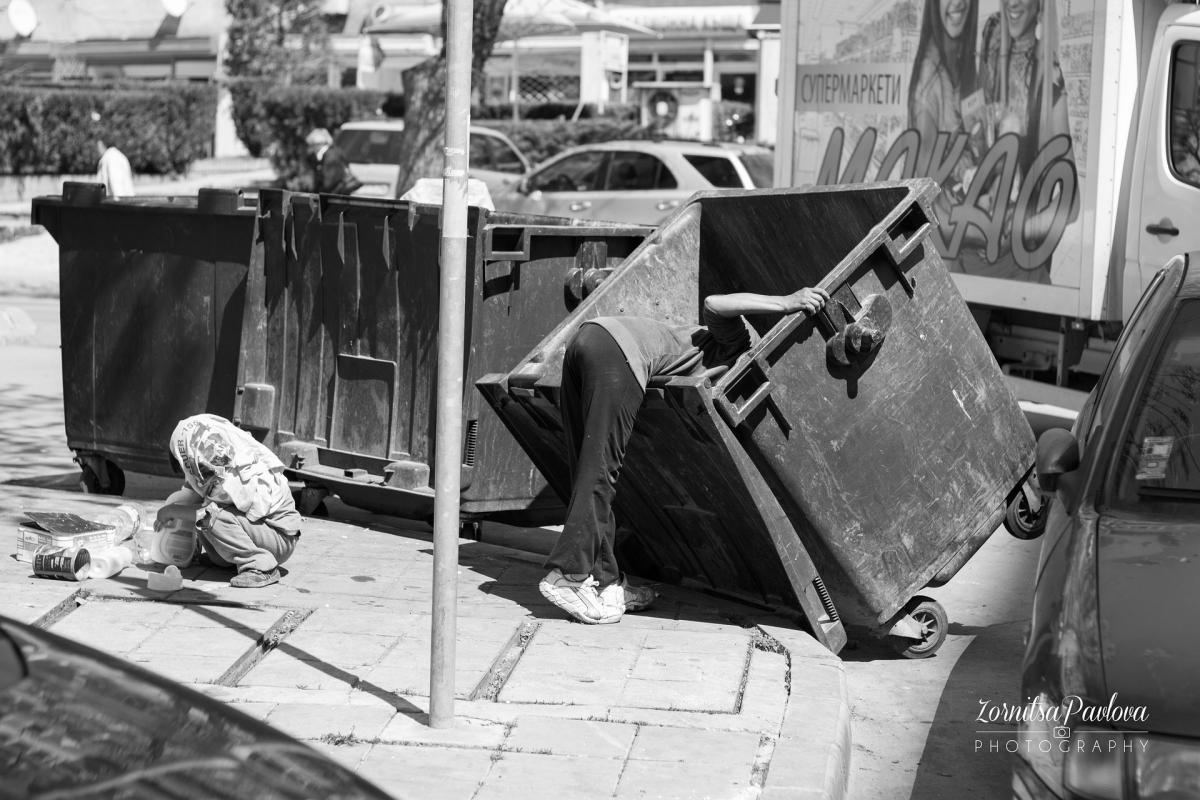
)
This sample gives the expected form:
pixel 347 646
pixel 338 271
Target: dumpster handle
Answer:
pixel 736 415
pixel 903 238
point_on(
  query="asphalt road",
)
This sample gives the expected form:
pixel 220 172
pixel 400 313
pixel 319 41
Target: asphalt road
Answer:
pixel 914 722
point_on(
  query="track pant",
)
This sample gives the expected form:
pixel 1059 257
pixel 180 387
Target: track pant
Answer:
pixel 600 401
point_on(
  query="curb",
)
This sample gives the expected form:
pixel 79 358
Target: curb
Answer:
pixel 815 737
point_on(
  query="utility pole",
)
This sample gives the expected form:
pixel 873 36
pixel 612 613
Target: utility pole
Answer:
pixel 451 344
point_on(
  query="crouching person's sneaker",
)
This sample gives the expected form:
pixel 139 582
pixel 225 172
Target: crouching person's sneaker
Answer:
pixel 579 598
pixel 254 578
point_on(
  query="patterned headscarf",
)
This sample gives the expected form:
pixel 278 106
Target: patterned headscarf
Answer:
pixel 226 465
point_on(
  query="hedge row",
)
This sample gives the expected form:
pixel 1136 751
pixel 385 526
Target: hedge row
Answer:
pixel 161 128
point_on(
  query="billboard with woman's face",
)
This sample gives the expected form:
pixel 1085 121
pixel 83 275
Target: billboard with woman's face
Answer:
pixel 988 97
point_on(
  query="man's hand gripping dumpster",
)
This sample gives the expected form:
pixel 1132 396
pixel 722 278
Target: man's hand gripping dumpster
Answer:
pixel 605 371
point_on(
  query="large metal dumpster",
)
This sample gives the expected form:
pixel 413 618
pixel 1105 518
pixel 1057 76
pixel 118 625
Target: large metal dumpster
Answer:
pixel 338 359
pixel 829 472
pixel 151 298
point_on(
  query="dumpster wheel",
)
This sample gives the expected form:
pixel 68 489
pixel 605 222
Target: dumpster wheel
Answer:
pixel 931 617
pixel 1022 521
pixel 100 476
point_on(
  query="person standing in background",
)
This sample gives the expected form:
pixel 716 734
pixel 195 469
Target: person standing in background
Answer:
pixel 332 173
pixel 113 170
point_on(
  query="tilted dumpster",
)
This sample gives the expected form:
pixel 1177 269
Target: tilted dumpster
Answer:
pixel 339 360
pixel 151 297
pixel 829 472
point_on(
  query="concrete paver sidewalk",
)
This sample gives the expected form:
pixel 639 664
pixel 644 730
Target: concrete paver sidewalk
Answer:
pixel 698 697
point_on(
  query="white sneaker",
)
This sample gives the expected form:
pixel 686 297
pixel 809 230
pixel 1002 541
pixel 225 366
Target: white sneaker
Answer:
pixel 578 598
pixel 628 597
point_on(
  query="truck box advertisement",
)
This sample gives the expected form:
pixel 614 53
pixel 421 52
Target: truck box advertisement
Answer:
pixel 997 101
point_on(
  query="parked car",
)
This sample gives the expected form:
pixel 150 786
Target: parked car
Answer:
pixel 638 182
pixel 1113 636
pixel 373 149
pixel 75 722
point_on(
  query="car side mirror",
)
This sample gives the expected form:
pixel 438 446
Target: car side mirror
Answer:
pixel 1057 454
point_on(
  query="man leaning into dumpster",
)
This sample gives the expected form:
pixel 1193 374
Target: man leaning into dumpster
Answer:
pixel 236 493
pixel 607 365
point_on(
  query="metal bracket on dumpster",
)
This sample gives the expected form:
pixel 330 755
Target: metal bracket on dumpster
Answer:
pixel 754 370
pixel 856 337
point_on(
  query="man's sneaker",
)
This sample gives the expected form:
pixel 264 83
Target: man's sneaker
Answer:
pixel 578 598
pixel 637 598
pixel 254 578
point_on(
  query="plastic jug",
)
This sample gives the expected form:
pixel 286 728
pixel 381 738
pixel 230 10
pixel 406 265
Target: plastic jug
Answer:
pixel 174 542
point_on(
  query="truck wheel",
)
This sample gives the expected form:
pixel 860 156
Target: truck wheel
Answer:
pixel 1022 522
pixel 112 482
pixel 929 614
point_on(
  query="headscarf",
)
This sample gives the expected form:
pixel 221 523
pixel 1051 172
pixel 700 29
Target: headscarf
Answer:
pixel 224 464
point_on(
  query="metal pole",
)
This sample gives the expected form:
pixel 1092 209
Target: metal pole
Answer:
pixel 451 344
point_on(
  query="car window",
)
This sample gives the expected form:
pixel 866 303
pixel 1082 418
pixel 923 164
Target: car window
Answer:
pixel 717 170
pixel 575 173
pixel 761 167
pixel 638 171
pixel 369 146
pixel 1158 463
pixel 1157 294
pixel 504 158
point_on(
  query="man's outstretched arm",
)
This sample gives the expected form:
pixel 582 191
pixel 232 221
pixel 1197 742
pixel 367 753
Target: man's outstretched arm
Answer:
pixel 739 304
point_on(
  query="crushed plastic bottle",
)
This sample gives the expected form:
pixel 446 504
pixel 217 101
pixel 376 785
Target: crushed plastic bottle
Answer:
pixel 125 520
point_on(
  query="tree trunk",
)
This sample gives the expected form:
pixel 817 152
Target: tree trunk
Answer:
pixel 425 98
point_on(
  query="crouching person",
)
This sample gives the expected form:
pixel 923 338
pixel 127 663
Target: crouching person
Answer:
pixel 235 490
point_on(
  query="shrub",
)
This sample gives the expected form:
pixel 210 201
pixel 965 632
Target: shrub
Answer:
pixel 274 120
pixel 161 128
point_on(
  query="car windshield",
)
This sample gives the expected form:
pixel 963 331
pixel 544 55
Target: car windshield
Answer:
pixel 361 146
pixel 761 167
pixel 1159 460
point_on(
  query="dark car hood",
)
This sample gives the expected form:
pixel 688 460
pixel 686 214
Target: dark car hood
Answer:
pixel 79 723
pixel 1149 592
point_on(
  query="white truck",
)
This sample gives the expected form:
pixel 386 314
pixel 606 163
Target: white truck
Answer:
pixel 1064 189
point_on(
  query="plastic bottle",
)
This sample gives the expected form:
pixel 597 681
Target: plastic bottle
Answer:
pixel 110 560
pixel 174 542
pixel 125 520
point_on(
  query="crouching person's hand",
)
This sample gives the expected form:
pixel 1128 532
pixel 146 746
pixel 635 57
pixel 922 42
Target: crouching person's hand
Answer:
pixel 186 513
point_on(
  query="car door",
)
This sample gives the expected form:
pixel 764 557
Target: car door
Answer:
pixel 613 186
pixel 637 187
